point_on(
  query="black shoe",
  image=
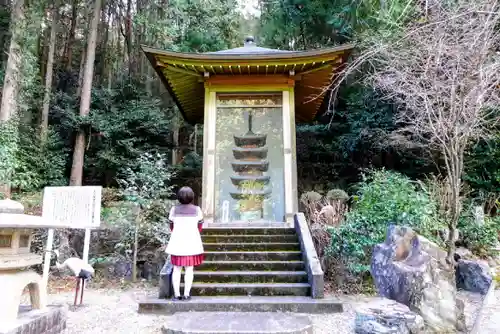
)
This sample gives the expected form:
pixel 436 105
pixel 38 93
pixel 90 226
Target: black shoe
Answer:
pixel 186 298
pixel 176 298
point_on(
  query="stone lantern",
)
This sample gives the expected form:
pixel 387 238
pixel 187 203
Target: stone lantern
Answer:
pixel 16 233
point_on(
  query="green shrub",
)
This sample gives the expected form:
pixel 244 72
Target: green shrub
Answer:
pixel 480 239
pixel 337 195
pixel 383 197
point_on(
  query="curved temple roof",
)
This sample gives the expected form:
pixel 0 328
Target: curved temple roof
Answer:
pixel 184 74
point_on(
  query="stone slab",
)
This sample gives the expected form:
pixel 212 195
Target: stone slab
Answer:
pixel 237 323
pixel 10 206
pixel 296 304
pixel 310 257
pixel 15 220
pixel 51 320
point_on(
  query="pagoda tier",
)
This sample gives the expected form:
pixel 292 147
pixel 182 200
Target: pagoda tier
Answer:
pixel 250 165
pixel 262 179
pixel 250 140
pixel 249 152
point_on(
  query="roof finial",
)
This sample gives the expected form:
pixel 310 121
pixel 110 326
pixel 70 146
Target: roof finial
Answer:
pixel 249 41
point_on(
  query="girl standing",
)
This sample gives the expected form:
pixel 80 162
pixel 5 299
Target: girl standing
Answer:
pixel 185 245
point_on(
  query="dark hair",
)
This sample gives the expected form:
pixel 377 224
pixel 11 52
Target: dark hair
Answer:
pixel 185 195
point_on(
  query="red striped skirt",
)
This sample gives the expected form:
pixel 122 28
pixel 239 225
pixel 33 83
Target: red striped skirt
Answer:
pixel 187 261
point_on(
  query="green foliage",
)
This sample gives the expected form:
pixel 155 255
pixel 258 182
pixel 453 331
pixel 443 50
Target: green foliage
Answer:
pixel 194 25
pixel 8 148
pixel 40 164
pixel 27 164
pixel 483 167
pixel 148 181
pixel 30 83
pixel 383 198
pixel 337 195
pixel 123 123
pixel 146 189
pixel 480 239
pixel 357 137
pixel 310 197
pixel 306 24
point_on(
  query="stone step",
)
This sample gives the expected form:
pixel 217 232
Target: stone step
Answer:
pixel 298 304
pixel 254 256
pixel 247 230
pixel 250 238
pixel 252 265
pixel 237 322
pixel 250 276
pixel 249 289
pixel 252 246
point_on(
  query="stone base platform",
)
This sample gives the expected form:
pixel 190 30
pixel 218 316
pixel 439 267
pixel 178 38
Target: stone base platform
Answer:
pixel 237 323
pixel 51 320
pixel 294 304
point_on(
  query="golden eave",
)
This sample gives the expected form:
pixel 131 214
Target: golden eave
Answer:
pixel 184 74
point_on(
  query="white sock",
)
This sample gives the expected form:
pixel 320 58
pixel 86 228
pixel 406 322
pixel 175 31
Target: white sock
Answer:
pixel 176 280
pixel 188 280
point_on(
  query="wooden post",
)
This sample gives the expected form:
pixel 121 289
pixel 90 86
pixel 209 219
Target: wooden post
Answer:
pixel 175 139
pixel 288 159
pixel 209 128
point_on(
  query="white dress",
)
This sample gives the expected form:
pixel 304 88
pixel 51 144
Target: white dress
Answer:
pixel 185 239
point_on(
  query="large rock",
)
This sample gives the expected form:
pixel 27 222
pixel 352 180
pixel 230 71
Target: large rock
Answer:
pixel 463 253
pixel 473 276
pixel 387 316
pixel 413 271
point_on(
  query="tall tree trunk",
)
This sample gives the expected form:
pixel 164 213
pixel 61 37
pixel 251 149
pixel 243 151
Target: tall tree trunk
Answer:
pixel 68 52
pixel 11 84
pixel 81 72
pixel 83 56
pixel 136 244
pixel 4 33
pixel 79 151
pixel 48 75
pixel 106 20
pixel 8 107
pixel 45 52
pixel 128 37
pixel 110 60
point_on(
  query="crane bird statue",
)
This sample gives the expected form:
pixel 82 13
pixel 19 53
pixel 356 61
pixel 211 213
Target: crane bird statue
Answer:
pixel 81 270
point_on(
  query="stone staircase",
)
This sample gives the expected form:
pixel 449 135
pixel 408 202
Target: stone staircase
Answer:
pixel 254 269
pixel 251 262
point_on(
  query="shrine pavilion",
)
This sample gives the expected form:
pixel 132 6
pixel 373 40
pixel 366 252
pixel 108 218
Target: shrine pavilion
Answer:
pixel 249 100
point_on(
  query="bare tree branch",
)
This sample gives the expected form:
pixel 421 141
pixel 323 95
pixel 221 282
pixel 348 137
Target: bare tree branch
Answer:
pixel 445 77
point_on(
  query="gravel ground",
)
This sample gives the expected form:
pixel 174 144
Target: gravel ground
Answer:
pixel 115 311
pixel 491 315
